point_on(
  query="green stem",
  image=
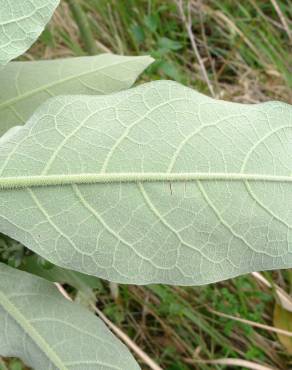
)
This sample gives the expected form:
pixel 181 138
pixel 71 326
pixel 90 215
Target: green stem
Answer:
pixel 84 27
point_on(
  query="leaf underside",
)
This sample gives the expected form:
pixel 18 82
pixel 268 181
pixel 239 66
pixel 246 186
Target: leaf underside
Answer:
pixel 21 22
pixel 46 331
pixel 26 85
pixel 234 219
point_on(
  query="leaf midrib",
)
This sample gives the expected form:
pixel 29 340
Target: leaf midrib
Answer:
pixel 56 83
pixel 16 315
pixel 136 177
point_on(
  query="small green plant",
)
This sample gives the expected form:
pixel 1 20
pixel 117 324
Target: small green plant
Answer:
pixel 158 183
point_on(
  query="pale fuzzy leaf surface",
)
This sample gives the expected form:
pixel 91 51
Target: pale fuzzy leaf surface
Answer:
pixel 46 331
pixel 226 211
pixel 26 85
pixel 21 23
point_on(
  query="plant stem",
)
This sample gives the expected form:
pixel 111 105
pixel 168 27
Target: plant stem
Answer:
pixel 84 27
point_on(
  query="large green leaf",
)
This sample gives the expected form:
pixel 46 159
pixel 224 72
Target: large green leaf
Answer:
pixel 25 85
pixel 155 184
pixel 21 22
pixel 48 332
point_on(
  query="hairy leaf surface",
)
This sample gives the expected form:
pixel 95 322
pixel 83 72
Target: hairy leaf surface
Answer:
pixel 21 22
pixel 25 85
pixel 46 331
pixel 155 184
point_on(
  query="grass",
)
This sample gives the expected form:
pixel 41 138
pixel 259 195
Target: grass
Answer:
pixel 245 49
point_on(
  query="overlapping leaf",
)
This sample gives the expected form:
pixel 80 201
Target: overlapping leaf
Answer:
pixel 25 85
pixel 155 184
pixel 58 274
pixel 47 332
pixel 21 22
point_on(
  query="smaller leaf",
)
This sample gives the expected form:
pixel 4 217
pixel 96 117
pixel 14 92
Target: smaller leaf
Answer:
pixel 171 70
pixel 283 320
pixel 168 44
pixel 25 85
pixel 48 332
pixel 138 33
pixel 151 22
pixel 76 279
